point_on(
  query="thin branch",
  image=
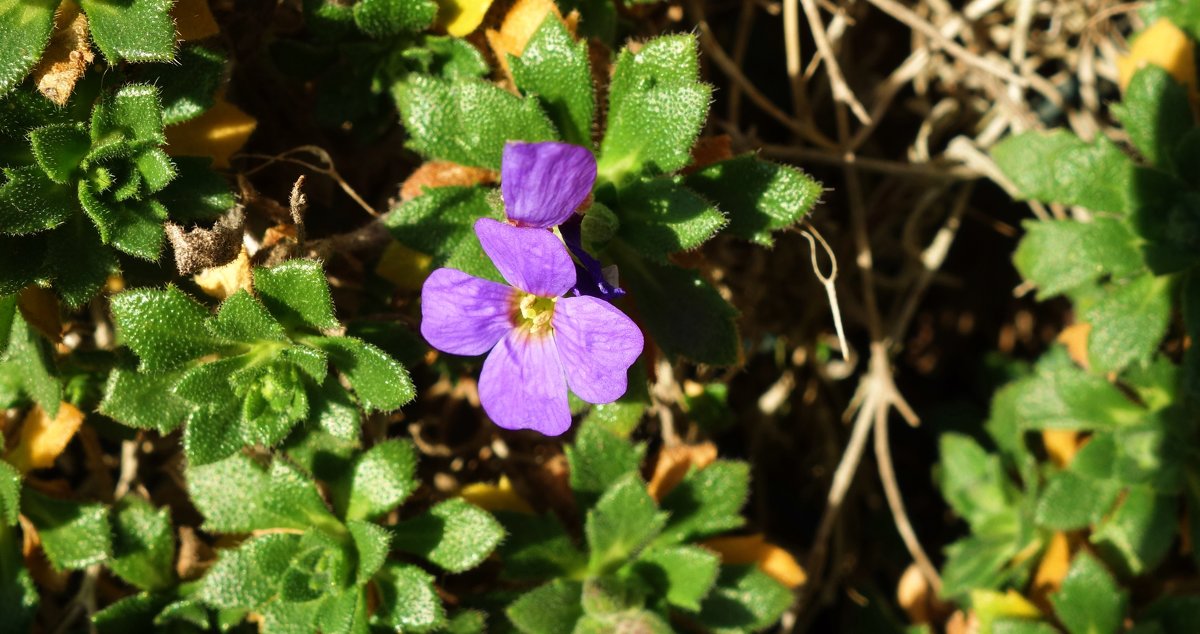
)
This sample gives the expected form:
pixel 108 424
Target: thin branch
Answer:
pixel 324 157
pixel 841 90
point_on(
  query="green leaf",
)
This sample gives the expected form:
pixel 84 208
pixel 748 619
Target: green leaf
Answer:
pixel 660 217
pixel 345 613
pixel 30 356
pixel 77 261
pixel 455 535
pixel 296 293
pixel 744 599
pixel 664 293
pixel 132 112
pixel 555 69
pixel 1089 601
pixel 243 318
pixel 973 481
pixel 236 496
pixel 385 18
pixel 682 574
pixel 538 548
pixel 1061 395
pixel 184 611
pixel 134 30
pixel 441 223
pixel 143 544
pixel 197 192
pixel 74 536
pixel 656 107
pixel 8 313
pixel 18 594
pixel 467 122
pixel 380 480
pixel 598 459
pixel 1058 167
pixel 379 381
pixel 635 620
pixel 132 226
pixel 1071 501
pixel 553 608
pixel 25 29
pixel 1060 256
pixel 31 203
pixel 372 543
pixel 322 567
pixel 213 430
pixel 707 502
pixel 130 614
pixel 59 148
pixel 1140 532
pixel 1128 322
pixel 249 575
pixel 758 197
pixel 165 328
pixel 156 169
pixel 10 494
pixel 623 521
pixel 1156 114
pixel 408 600
pixel 334 411
pixel 188 85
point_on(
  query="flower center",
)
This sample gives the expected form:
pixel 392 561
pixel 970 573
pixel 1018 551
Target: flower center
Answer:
pixel 534 312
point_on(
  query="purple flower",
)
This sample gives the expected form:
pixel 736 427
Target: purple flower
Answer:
pixel 544 183
pixel 541 342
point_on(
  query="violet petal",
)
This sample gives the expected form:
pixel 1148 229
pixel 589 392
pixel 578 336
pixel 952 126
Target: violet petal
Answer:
pixel 589 273
pixel 543 183
pixel 533 260
pixel 522 385
pixel 596 345
pixel 462 314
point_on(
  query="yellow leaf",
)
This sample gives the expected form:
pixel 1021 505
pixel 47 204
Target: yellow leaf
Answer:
pixel 225 280
pixel 673 464
pixel 404 267
pixel 43 438
pixel 222 130
pixel 67 56
pixel 1165 45
pixel 461 17
pixel 753 549
pixel 193 20
pixel 990 605
pixel 495 497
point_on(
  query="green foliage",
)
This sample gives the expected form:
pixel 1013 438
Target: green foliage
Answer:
pixel 96 180
pixel 555 69
pixel 271 371
pixel 642 562
pixel 73 535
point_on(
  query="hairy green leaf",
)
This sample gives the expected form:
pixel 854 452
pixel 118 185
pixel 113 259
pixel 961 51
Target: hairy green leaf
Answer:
pixel 1089 601
pixel 73 535
pixel 660 217
pixel 758 197
pixel 25 29
pixel 380 480
pixel 555 69
pixel 249 575
pixel 682 574
pixel 455 535
pixel 134 30
pixel 165 328
pixel 553 608
pixel 143 544
pixel 379 381
pixel 407 598
pixel 706 502
pixel 296 293
pixel 1059 256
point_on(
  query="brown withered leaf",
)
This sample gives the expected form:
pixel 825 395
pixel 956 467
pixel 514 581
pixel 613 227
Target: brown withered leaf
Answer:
pixel 193 20
pixel 444 174
pixel 199 248
pixel 67 56
pixel 39 307
pixel 709 150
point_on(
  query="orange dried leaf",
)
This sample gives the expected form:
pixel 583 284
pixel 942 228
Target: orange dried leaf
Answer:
pixel 222 130
pixel 1075 338
pixel 222 281
pixel 914 595
pixel 753 549
pixel 443 174
pixel 675 462
pixel 1162 44
pixel 495 497
pixel 43 438
pixel 1051 571
pixel 39 307
pixel 709 150
pixel 67 56
pixel 520 23
pixel 1061 445
pixel 461 17
pixel 193 20
pixel 404 267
